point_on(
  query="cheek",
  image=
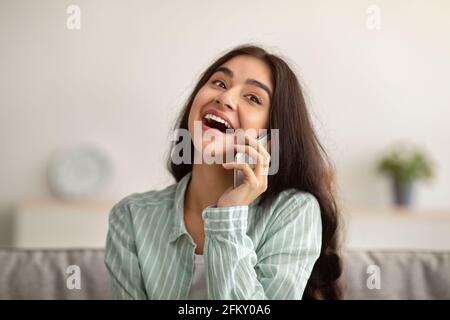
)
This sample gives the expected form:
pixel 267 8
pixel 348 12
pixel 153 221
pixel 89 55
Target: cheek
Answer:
pixel 201 98
pixel 194 114
pixel 254 119
pixel 204 95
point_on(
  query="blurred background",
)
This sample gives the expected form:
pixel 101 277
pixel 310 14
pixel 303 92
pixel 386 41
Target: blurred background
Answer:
pixel 90 90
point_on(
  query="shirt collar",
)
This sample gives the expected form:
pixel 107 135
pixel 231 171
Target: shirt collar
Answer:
pixel 178 225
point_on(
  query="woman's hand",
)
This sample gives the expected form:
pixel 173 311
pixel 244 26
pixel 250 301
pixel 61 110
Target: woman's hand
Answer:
pixel 255 181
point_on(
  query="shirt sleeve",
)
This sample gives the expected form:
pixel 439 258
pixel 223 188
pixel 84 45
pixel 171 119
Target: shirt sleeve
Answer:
pixel 284 262
pixel 121 257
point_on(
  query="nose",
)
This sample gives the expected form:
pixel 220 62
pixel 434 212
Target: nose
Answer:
pixel 226 102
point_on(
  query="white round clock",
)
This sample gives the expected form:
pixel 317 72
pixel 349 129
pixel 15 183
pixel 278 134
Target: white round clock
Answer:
pixel 79 172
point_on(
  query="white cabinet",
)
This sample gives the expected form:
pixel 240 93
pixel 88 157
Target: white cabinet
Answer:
pixel 392 228
pixel 60 224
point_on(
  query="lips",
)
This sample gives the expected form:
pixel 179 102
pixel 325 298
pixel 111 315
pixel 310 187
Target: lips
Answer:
pixel 217 114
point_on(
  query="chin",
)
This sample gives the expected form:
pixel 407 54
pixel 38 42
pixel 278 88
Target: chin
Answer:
pixel 216 151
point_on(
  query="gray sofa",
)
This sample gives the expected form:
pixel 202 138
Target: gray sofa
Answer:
pixel 42 274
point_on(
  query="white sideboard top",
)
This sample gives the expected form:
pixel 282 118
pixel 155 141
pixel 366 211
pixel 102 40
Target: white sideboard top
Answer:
pixel 395 228
pixel 48 223
pixel 51 223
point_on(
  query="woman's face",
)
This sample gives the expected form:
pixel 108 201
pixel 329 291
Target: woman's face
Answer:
pixel 239 92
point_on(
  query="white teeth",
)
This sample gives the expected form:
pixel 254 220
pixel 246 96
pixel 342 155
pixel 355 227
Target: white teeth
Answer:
pixel 218 119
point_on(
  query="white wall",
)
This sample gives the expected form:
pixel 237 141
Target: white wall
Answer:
pixel 120 81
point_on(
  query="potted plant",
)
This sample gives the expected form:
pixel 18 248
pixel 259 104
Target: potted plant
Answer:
pixel 405 165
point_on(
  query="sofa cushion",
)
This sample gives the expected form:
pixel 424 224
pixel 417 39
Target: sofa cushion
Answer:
pixel 43 274
pixel 404 274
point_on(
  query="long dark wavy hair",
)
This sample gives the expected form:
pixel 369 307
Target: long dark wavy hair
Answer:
pixel 303 162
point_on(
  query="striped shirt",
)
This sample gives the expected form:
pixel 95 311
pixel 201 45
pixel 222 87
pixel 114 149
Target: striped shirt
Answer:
pixel 249 252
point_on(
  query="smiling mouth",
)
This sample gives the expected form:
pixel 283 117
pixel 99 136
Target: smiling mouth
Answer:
pixel 215 122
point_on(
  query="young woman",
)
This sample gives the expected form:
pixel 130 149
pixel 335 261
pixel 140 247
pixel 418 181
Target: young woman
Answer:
pixel 272 237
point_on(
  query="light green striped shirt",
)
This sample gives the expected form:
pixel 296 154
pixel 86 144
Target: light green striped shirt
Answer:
pixel 249 252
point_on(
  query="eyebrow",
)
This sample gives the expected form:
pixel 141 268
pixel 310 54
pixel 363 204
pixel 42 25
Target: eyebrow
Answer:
pixel 254 82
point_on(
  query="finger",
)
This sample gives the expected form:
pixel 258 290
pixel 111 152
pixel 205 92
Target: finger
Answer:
pixel 262 164
pixel 256 144
pixel 252 142
pixel 241 166
pixel 259 182
pixel 261 170
pixel 246 139
pixel 251 152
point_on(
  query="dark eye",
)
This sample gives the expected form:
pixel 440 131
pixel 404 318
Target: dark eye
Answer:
pixel 254 99
pixel 219 81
